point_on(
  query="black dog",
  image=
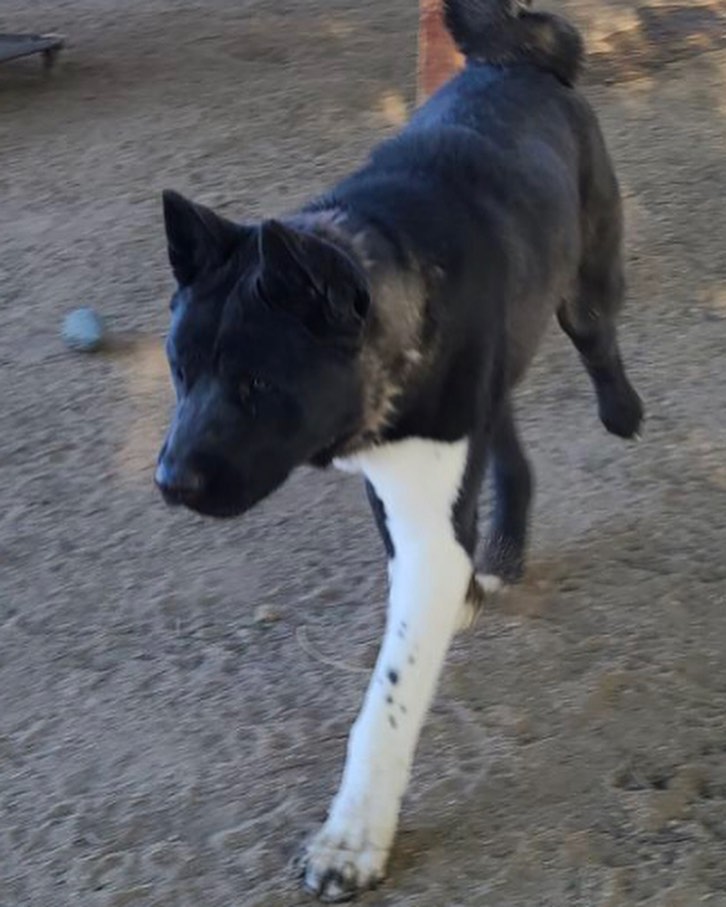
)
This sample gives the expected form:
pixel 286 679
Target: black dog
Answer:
pixel 384 326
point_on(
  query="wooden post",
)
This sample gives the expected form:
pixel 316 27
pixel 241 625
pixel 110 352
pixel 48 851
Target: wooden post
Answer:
pixel 438 58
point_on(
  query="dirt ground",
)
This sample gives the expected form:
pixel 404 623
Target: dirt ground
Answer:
pixel 175 694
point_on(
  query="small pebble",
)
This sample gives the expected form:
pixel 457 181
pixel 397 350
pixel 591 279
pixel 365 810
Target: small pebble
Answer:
pixel 83 330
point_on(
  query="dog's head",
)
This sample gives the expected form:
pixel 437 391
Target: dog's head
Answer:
pixel 264 343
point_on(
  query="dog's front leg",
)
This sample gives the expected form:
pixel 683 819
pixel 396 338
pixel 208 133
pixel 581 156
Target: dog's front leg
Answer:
pixel 418 482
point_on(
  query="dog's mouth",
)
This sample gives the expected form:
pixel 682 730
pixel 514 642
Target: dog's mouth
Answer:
pixel 208 502
pixel 200 501
pixel 206 507
pixel 217 488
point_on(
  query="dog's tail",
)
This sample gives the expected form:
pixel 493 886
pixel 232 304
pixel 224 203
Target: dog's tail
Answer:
pixel 505 31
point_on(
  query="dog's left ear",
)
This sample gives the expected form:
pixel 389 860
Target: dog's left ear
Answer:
pixel 198 239
pixel 314 281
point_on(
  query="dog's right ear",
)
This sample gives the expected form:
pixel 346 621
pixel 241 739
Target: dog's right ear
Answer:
pixel 198 239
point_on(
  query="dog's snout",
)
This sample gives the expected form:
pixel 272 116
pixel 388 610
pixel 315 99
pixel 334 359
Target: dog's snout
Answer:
pixel 178 483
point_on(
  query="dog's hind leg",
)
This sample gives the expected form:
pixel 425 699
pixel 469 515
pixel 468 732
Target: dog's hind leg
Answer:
pixel 416 486
pixel 589 320
pixel 512 481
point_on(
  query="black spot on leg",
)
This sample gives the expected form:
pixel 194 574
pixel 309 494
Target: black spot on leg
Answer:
pixel 393 676
pixel 392 721
pixel 389 700
pixel 411 660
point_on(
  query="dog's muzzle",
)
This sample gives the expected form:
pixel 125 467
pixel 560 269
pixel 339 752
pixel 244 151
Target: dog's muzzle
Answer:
pixel 179 484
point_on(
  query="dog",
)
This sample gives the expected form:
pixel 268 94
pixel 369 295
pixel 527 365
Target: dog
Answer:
pixel 383 328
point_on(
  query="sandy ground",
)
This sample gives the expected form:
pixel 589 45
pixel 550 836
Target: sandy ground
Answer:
pixel 175 694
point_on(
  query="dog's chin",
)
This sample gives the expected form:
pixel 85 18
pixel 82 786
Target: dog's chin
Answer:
pixel 218 510
pixel 208 507
pixel 226 507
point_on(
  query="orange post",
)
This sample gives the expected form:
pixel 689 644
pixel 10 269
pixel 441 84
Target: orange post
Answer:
pixel 438 58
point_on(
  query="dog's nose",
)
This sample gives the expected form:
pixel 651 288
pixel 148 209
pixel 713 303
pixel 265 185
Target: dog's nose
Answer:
pixel 178 484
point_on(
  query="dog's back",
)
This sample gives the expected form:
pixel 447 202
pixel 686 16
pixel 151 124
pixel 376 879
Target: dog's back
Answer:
pixel 499 185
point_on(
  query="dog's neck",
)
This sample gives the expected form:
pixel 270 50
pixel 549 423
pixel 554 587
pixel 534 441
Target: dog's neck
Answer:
pixel 393 346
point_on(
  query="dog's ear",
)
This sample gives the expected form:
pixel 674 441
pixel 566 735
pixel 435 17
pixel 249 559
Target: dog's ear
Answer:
pixel 198 239
pixel 314 281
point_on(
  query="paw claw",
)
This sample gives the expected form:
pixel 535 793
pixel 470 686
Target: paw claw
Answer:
pixel 335 873
pixel 332 888
pixel 482 587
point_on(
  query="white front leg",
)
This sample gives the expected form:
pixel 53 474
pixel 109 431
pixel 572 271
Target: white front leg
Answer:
pixel 418 482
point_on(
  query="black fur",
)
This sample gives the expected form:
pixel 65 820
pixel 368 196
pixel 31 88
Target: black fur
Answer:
pixel 410 299
pixel 512 480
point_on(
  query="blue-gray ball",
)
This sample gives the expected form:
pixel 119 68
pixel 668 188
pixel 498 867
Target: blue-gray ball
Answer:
pixel 83 330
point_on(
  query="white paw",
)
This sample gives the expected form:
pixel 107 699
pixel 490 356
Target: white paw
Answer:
pixel 483 586
pixel 343 861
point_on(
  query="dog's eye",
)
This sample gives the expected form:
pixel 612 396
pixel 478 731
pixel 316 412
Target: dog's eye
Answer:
pixel 252 384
